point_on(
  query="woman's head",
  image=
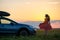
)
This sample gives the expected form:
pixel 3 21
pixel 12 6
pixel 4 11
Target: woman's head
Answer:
pixel 46 15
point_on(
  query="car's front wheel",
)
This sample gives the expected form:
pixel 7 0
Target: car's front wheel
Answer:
pixel 23 32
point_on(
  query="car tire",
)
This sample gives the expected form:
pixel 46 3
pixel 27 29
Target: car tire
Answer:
pixel 23 32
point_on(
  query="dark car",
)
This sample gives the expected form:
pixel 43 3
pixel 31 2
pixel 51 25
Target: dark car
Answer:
pixel 11 27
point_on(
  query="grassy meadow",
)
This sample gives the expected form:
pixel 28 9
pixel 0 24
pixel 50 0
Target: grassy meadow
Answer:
pixel 52 35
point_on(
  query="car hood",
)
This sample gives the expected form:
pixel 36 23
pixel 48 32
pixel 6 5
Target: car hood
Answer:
pixel 23 24
pixel 30 26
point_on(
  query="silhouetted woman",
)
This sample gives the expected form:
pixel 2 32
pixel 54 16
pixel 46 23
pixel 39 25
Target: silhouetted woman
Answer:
pixel 46 24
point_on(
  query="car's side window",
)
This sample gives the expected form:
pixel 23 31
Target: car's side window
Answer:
pixel 3 21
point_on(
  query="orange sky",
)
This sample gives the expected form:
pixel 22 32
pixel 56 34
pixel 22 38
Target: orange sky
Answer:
pixel 31 10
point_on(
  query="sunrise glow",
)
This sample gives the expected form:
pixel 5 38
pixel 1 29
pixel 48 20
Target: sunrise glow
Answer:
pixel 31 10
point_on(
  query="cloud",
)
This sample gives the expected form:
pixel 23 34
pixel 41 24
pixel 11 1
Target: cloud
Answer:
pixel 53 2
pixel 30 1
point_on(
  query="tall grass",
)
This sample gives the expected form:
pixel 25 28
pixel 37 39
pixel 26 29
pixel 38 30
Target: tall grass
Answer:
pixel 52 35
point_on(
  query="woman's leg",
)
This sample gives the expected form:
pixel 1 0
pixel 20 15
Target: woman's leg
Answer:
pixel 46 32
